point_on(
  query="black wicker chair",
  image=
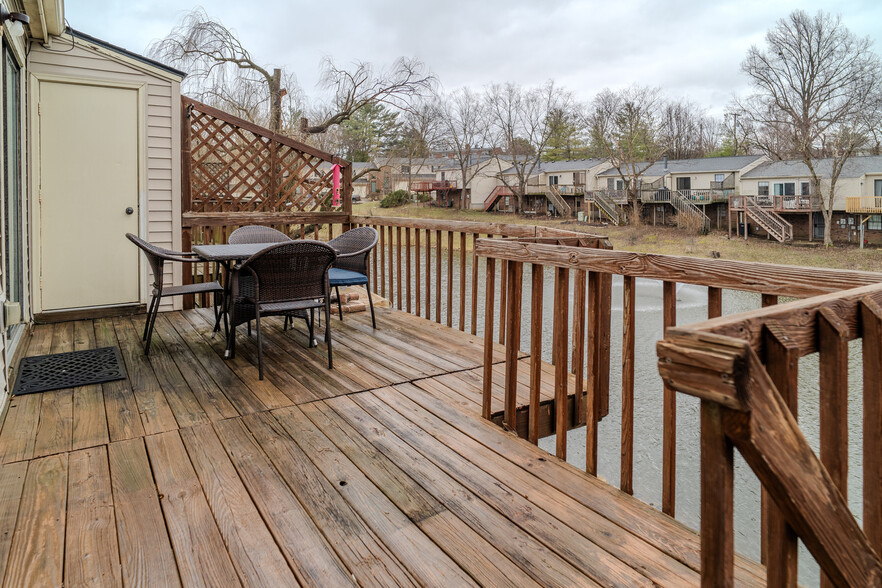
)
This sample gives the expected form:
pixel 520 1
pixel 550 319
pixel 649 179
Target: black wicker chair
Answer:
pixel 257 234
pixel 287 279
pixel 157 256
pixel 351 268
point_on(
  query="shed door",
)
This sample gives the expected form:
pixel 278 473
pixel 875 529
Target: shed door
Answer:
pixel 89 175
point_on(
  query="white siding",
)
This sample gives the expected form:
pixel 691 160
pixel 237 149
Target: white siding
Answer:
pixel 162 133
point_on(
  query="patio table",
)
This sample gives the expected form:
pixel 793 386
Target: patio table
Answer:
pixel 225 254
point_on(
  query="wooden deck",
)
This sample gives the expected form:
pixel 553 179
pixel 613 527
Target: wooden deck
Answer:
pixel 379 472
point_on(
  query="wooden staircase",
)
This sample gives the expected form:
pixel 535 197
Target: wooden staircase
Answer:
pixel 495 195
pixel 773 223
pixel 682 204
pixel 607 206
pixel 553 195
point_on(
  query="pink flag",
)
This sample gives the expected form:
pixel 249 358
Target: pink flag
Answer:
pixel 336 184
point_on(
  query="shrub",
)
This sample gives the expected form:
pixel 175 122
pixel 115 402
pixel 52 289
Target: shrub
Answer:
pixel 396 198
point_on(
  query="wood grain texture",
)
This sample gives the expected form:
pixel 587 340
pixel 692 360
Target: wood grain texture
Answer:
pixel 512 343
pixel 144 547
pixel 91 550
pixel 717 501
pixel 536 296
pixel 489 291
pixel 560 356
pixel 629 326
pixel 669 411
pixel 37 550
pixel 12 478
pixel 871 321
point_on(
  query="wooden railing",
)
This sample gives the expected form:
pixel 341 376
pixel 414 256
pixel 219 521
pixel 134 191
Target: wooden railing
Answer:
pixel 588 340
pixel 778 203
pixel 432 185
pixel 864 204
pixel 745 370
pixel 429 267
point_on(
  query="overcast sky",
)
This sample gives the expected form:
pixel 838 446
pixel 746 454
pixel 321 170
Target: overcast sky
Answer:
pixel 690 48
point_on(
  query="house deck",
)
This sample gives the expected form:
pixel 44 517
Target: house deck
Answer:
pixel 380 472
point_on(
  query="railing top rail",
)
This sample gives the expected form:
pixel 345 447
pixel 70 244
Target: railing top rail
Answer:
pixel 766 278
pixel 504 229
pixel 262 131
pixel 797 318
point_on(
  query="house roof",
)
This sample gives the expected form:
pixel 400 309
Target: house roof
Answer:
pixel 699 165
pixel 855 167
pixel 454 163
pixel 116 49
pixel 562 166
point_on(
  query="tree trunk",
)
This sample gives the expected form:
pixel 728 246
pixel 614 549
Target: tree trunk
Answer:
pixel 275 87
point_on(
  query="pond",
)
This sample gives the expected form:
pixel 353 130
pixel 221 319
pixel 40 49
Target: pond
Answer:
pixel 691 308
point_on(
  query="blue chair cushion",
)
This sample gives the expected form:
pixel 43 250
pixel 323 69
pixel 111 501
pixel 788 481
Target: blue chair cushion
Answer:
pixel 342 277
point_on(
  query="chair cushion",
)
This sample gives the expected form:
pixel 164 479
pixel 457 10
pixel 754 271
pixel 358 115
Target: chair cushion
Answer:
pixel 342 277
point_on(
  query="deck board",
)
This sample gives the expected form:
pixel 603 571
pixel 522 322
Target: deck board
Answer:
pixel 378 473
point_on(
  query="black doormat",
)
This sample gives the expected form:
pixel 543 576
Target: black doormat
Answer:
pixel 42 373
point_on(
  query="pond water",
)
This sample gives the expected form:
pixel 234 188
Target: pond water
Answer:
pixel 691 308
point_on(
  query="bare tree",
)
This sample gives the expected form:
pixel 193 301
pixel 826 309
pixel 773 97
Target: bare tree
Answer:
pixel 222 71
pixel 815 83
pixel 520 121
pixel 420 134
pixel 686 130
pixel 465 131
pixel 624 129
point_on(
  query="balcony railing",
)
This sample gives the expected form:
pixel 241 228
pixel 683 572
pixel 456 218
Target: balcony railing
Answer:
pixel 779 203
pixel 431 186
pixel 864 204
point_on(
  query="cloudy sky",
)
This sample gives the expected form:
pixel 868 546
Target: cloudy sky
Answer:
pixel 690 48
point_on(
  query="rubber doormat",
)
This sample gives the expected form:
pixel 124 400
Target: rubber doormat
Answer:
pixel 42 373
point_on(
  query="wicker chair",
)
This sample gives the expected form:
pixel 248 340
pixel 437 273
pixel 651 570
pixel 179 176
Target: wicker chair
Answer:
pixel 157 256
pixel 351 268
pixel 287 279
pixel 257 234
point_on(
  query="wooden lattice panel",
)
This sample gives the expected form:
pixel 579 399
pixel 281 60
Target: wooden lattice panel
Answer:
pixel 235 166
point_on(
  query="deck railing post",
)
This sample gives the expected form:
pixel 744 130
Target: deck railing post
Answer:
pixel 717 501
pixel 512 343
pixel 486 409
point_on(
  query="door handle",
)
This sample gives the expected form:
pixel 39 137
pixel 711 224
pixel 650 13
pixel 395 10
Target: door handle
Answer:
pixel 130 210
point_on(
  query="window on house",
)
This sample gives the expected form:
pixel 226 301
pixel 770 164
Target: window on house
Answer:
pixel 804 188
pixel 442 176
pixel 684 183
pixel 405 169
pixel 12 192
pixel 785 189
pixel 718 178
pixel 877 188
pixel 762 189
pixel 875 222
pixel 552 180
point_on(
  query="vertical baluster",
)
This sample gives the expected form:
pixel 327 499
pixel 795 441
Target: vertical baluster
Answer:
pixel 767 300
pixel 416 260
pixel 382 274
pixel 871 324
pixel 717 501
pixel 374 273
pixel 513 344
pixel 561 373
pixel 833 360
pixel 409 277
pixel 603 348
pixel 428 274
pixel 537 272
pixel 331 231
pixel 669 426
pixel 714 302
pixel 779 539
pixel 303 231
pixel 592 400
pixel 629 325
pixel 449 278
pixel 578 361
pixel 398 267
pixel 487 397
pixel 474 284
pixel 438 277
pixel 315 231
pixel 503 275
pixel 462 281
pixel 390 244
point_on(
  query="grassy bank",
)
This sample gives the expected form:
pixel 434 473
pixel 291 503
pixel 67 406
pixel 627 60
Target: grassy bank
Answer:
pixel 666 240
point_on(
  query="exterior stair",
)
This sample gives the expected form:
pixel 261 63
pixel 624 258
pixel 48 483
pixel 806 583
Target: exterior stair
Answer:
pixel 554 196
pixel 685 207
pixel 496 194
pixel 773 223
pixel 607 206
